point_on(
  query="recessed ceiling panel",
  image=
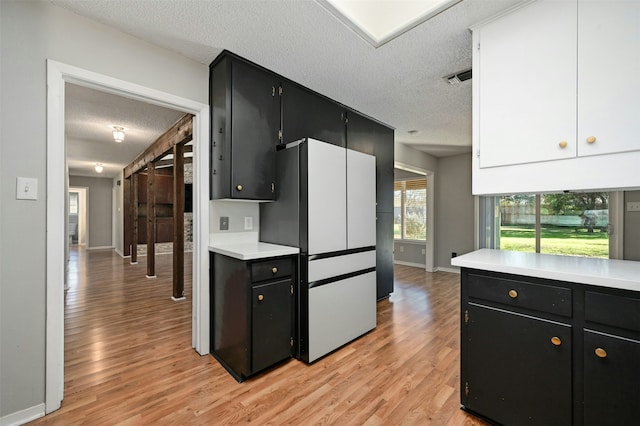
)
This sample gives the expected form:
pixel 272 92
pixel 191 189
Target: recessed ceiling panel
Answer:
pixel 379 21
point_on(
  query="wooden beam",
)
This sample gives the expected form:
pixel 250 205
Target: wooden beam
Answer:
pixel 169 162
pixel 181 132
pixel 126 213
pixel 151 221
pixel 178 222
pixel 134 218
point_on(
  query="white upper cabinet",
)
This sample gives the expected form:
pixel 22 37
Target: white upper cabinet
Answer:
pixel 527 78
pixel 556 99
pixel 608 70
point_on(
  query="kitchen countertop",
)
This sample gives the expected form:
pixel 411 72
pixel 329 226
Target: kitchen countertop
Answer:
pixel 245 246
pixel 610 273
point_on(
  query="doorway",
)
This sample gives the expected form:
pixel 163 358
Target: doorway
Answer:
pixel 57 75
pixel 413 216
pixel 78 216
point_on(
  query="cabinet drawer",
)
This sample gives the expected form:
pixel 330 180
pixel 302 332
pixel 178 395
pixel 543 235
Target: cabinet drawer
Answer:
pixel 270 269
pixel 539 297
pixel 613 310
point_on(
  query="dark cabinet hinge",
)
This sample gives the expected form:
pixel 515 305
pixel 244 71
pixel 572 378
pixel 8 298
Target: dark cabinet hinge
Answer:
pixel 466 316
pixel 280 90
pixel 466 389
pixel 273 90
pixel 291 289
pixel 292 342
pixel 280 134
pixel 273 187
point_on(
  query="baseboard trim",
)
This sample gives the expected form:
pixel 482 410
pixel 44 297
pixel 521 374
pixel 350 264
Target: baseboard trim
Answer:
pixel 151 276
pixel 121 253
pixel 178 299
pixel 100 248
pixel 415 265
pixel 451 270
pixel 23 416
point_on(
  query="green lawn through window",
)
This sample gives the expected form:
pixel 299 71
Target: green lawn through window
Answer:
pixel 556 240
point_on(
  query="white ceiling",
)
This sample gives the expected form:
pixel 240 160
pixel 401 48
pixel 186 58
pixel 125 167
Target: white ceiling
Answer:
pixel 400 83
pixel 89 117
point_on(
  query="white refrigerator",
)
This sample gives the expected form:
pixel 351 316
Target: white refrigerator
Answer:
pixel 325 205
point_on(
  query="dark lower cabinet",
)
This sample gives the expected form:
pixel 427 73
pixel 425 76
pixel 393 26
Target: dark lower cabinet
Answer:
pixel 251 312
pixel 516 375
pixel 544 352
pixel 384 255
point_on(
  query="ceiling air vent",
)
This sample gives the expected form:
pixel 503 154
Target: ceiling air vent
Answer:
pixel 458 77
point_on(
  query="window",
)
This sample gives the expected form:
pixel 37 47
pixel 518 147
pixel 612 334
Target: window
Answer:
pixel 570 223
pixel 410 209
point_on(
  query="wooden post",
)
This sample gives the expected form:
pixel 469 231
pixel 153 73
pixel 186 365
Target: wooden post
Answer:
pixel 134 219
pixel 151 220
pixel 126 214
pixel 178 222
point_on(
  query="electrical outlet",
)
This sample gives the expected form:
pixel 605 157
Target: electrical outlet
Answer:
pixel 401 249
pixel 248 223
pixel 633 206
pixel 424 251
pixel 224 223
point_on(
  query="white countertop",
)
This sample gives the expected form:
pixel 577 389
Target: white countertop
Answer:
pixel 622 274
pixel 245 246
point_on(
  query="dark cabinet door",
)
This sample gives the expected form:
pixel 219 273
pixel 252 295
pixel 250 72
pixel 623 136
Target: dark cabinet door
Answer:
pixel 272 328
pixel 255 122
pixel 384 254
pixel 513 372
pixel 306 114
pixel 611 380
pixel 370 137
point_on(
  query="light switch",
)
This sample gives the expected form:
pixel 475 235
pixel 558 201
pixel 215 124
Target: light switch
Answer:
pixel 26 188
pixel 248 223
pixel 633 206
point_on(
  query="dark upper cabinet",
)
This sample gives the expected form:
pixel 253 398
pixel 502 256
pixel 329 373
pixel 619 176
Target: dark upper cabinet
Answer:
pixel 245 121
pixel 368 136
pixel 306 114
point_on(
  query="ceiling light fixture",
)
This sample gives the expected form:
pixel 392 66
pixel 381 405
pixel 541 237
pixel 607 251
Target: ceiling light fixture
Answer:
pixel 99 167
pixel 118 134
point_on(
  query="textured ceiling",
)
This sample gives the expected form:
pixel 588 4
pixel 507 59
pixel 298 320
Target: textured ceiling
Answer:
pixel 399 83
pixel 89 117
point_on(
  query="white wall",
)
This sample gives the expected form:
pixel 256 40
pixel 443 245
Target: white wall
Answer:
pixel 30 33
pixel 99 208
pixel 236 211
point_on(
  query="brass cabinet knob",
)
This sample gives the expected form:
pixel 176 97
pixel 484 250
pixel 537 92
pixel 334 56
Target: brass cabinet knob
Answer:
pixel 239 187
pixel 600 353
pixel 591 139
pixel 513 294
pixel 260 297
pixel 563 144
pixel 556 341
pixel 274 270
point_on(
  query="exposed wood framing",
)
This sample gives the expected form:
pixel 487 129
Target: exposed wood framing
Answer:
pixel 126 207
pixel 134 218
pixel 181 132
pixel 178 221
pixel 151 220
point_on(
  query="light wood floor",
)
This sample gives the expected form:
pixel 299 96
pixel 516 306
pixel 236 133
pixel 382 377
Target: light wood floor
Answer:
pixel 128 358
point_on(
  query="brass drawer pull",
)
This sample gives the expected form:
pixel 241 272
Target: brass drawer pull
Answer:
pixel 556 341
pixel 562 144
pixel 600 353
pixel 239 187
pixel 591 139
pixel 274 270
pixel 260 297
pixel 513 294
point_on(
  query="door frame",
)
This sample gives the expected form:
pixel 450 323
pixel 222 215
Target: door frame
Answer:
pixel 430 176
pixel 57 75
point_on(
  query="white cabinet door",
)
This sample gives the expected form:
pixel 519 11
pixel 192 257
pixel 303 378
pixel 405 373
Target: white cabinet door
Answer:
pixel 361 199
pixel 526 85
pixel 327 197
pixel 608 70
